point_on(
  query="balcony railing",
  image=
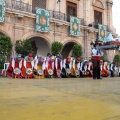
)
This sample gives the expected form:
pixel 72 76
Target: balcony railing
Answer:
pixel 95 25
pixel 19 5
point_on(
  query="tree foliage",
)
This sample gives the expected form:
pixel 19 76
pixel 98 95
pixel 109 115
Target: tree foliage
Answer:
pixel 117 58
pixel 77 50
pixel 5 50
pixel 23 47
pixel 56 47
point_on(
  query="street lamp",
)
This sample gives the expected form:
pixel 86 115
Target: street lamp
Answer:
pixel 59 6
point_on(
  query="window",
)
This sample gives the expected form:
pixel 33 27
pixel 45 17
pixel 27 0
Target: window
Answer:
pixel 97 17
pixel 38 3
pixel 71 9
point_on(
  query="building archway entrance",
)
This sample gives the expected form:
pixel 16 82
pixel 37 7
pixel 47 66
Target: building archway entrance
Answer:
pixel 66 51
pixel 2 34
pixel 40 46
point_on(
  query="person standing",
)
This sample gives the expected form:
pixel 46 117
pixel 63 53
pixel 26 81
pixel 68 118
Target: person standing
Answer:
pixel 96 54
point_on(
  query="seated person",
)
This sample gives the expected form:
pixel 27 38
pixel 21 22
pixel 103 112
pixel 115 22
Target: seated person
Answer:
pixel 14 68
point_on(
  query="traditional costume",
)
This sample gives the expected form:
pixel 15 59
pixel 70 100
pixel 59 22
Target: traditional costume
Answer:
pixel 90 69
pixel 47 64
pixel 50 67
pixel 84 70
pixel 14 69
pixel 72 67
pixel 54 65
pixel 96 54
pixel 58 64
pixel 67 67
pixel 119 70
pixel 63 71
pixel 80 64
pixel 102 70
pixel 116 71
pixel 112 69
pixel 77 67
pixel 27 66
pixel 105 71
pixel 39 67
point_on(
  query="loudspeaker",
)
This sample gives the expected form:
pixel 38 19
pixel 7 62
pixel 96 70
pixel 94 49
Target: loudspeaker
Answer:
pixel 90 25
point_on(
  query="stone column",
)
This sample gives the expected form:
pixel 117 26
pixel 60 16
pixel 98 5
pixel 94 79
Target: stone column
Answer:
pixel 109 14
pixel 8 3
pixel 85 44
pixel 86 11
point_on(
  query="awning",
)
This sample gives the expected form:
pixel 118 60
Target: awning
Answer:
pixel 108 47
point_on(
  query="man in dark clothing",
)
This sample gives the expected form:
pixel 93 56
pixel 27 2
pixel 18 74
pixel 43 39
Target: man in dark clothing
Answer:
pixel 96 54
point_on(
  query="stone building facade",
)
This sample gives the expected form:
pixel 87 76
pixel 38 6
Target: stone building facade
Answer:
pixel 20 22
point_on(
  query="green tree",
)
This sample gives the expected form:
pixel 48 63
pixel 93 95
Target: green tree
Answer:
pixel 117 58
pixel 5 50
pixel 23 47
pixel 56 47
pixel 102 58
pixel 77 50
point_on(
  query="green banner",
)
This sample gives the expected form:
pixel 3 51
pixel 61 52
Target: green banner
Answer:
pixel 42 20
pixel 102 32
pixel 74 26
pixel 2 10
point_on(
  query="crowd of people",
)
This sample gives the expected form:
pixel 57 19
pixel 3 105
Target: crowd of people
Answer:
pixel 57 67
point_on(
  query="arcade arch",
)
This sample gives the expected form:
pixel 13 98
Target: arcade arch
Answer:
pixel 3 33
pixel 66 51
pixel 40 46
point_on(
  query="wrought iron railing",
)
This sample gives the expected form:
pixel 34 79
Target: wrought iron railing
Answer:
pixel 95 25
pixel 19 5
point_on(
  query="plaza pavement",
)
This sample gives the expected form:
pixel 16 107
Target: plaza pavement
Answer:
pixel 60 99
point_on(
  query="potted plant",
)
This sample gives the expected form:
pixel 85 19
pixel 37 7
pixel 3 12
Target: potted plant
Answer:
pixel 5 50
pixel 117 59
pixel 23 47
pixel 77 51
pixel 56 48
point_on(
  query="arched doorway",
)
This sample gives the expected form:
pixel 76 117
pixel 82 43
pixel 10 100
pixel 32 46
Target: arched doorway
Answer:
pixel 2 34
pixel 40 46
pixel 67 49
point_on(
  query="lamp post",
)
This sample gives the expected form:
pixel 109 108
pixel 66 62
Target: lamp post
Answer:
pixel 59 6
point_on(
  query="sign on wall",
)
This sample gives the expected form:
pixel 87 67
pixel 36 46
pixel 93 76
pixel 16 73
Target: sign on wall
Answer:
pixel 42 20
pixel 2 10
pixel 102 32
pixel 74 26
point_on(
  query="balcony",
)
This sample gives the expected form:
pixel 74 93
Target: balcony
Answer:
pixel 19 5
pixel 95 25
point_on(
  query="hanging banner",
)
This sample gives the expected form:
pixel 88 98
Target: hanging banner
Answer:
pixel 74 26
pixel 42 20
pixel 2 10
pixel 102 32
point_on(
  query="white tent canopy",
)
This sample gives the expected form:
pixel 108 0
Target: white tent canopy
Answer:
pixel 109 38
